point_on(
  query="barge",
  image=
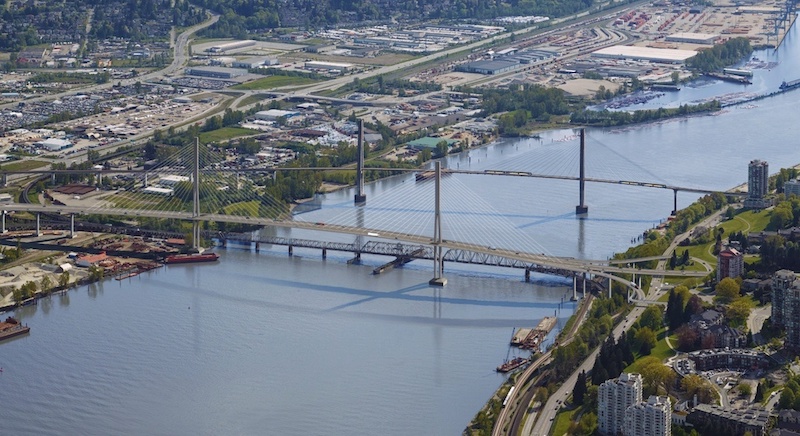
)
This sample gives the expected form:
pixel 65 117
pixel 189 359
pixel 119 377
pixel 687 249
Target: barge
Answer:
pixel 785 86
pixel 11 328
pixel 191 258
pixel 512 364
pixel 531 339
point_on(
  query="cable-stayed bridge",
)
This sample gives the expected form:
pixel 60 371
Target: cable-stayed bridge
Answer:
pixel 200 185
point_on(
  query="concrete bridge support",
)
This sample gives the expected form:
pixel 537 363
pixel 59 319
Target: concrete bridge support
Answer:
pixel 324 253
pixel 438 259
pixel 4 180
pixel 360 197
pixel 291 250
pixel 38 228
pixel 53 178
pixel 527 275
pixel 4 223
pixel 575 288
pixel 582 208
pixel 72 225
pixel 584 285
pixel 674 202
pixel 144 184
pixel 258 247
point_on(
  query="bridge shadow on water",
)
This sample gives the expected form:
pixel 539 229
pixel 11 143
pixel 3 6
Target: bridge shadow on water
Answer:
pixel 399 294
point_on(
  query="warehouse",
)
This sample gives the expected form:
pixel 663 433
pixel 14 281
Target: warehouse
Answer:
pixel 632 52
pixel 216 72
pixel 330 66
pixel 233 45
pixel 693 38
pixel 488 67
pixel 254 62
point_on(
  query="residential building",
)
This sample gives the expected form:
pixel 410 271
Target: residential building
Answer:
pixel 730 263
pixel 757 185
pixel 786 305
pixel 792 187
pixel 745 359
pixel 716 420
pixel 652 418
pixel 613 398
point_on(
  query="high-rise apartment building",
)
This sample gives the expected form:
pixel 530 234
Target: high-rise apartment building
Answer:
pixel 786 305
pixel 613 398
pixel 730 263
pixel 757 185
pixel 792 187
pixel 651 418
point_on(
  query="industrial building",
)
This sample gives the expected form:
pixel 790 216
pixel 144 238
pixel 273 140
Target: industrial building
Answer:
pixel 254 62
pixel 636 53
pixel 54 144
pixel 329 66
pixel 489 67
pixel 171 179
pixel 216 72
pixel 613 398
pixel 693 38
pixel 228 46
pixel 274 114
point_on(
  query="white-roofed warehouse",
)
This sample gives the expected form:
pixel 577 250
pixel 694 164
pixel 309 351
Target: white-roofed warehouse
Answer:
pixel 632 52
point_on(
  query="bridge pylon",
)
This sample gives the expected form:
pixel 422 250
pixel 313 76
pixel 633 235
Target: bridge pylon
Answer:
pixel 360 197
pixel 582 208
pixel 438 259
pixel 196 197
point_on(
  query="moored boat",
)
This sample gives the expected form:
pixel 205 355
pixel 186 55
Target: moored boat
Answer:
pixel 191 258
pixel 11 327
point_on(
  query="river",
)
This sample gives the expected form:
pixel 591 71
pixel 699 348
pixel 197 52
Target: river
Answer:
pixel 265 343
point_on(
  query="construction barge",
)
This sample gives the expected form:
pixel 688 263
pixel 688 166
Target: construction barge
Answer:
pixel 191 258
pixel 11 328
pixel 512 364
pixel 531 339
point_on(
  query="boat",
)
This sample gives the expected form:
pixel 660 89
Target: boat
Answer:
pixel 785 86
pixel 11 327
pixel 512 364
pixel 191 258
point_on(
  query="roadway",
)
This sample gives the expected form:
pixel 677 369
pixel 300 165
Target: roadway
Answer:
pixel 544 422
pixel 570 264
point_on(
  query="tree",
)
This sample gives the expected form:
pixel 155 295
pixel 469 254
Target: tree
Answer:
pixel 727 290
pixel 787 399
pixel 63 279
pixel 687 338
pixel 646 339
pixel 738 312
pixel 579 391
pixel 676 77
pixel 693 384
pixel 46 284
pixel 652 317
pixel 745 389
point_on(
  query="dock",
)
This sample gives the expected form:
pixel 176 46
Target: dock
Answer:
pixel 531 339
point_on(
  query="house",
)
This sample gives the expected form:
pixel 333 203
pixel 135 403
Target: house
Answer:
pixel 88 260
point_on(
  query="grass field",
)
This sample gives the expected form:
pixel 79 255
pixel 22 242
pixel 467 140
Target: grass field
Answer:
pixel 271 82
pixel 247 208
pixel 251 99
pixel 22 165
pixel 660 351
pixel 747 221
pixel 562 422
pixel 224 133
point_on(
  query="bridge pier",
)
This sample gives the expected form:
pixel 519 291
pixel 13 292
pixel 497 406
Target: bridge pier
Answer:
pixel 52 178
pixel 38 232
pixel 291 251
pixel 582 208
pixel 223 243
pixel 527 275
pixel 609 287
pixel 574 288
pixel 324 253
pixel 258 246
pixel 4 180
pixel 674 202
pixel 144 184
pixel 72 225
pixel 4 222
pixel 584 285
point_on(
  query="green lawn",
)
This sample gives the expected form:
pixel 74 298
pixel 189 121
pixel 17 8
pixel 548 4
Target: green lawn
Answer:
pixel 251 99
pixel 271 82
pixel 244 208
pixel 747 221
pixel 660 351
pixel 562 422
pixel 224 134
pixel 23 165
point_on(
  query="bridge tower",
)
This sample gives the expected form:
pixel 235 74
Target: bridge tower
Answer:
pixel 582 208
pixel 196 197
pixel 438 259
pixel 360 197
pixel 674 202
